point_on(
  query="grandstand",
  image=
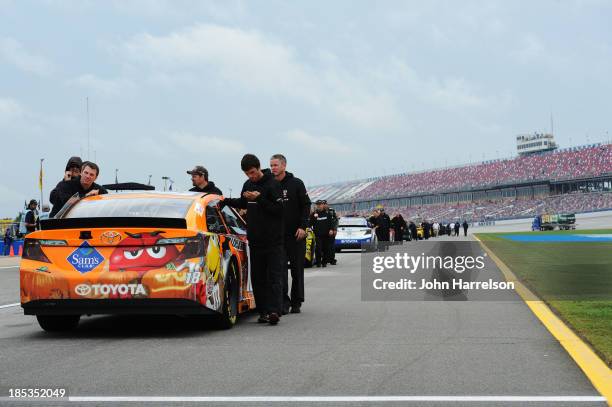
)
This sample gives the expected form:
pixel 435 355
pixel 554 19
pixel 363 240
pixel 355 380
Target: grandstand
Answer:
pixel 577 179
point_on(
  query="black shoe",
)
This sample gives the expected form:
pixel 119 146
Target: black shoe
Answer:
pixel 295 309
pixel 318 265
pixel 324 265
pixel 263 318
pixel 273 318
pixel 333 262
pixel 285 310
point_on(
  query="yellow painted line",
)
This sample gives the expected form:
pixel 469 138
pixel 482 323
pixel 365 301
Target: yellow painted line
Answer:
pixel 595 369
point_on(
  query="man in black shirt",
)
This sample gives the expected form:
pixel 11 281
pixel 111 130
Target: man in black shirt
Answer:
pixel 73 170
pixel 382 222
pixel 323 227
pixel 261 197
pixel 199 179
pixel 83 185
pixel 296 211
pixel 31 217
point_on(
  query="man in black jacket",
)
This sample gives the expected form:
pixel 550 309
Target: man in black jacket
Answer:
pixel 382 222
pixel 73 170
pixel 261 197
pixel 84 185
pixel 199 179
pixel 323 227
pixel 296 211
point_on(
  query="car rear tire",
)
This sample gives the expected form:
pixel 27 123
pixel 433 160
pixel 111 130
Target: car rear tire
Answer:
pixel 58 323
pixel 229 315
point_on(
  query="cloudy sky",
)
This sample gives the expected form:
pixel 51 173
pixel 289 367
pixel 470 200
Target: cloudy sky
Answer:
pixel 345 89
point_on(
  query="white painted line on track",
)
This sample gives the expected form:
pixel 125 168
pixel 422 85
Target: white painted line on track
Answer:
pixel 10 305
pixel 323 399
pixel 9 267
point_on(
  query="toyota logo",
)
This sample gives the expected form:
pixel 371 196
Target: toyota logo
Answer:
pixel 110 237
pixel 82 289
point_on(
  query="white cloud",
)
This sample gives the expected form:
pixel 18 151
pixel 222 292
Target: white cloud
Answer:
pixel 13 52
pixel 10 197
pixel 104 87
pixel 9 109
pixel 255 63
pixel 317 143
pixel 205 144
pixel 451 93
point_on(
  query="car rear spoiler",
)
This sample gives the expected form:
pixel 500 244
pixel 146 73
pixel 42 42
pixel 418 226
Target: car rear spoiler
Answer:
pixel 126 222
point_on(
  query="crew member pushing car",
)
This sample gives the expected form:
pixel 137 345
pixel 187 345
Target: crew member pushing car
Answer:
pixel 261 197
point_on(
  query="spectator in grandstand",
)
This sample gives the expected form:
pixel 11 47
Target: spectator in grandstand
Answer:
pixel 465 227
pixel 399 226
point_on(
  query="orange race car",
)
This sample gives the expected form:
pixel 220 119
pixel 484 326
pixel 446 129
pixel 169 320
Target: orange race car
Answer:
pixel 137 253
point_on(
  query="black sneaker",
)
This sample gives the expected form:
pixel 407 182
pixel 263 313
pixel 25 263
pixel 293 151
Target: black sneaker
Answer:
pixel 333 262
pixel 318 265
pixel 295 309
pixel 273 318
pixel 263 318
pixel 285 309
pixel 324 265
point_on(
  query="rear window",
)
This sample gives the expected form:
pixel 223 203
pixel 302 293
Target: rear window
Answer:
pixel 130 208
pixel 353 222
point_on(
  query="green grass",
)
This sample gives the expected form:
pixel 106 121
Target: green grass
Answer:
pixel 573 278
pixel 557 232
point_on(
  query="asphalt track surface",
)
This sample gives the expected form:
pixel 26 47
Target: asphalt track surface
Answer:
pixel 339 346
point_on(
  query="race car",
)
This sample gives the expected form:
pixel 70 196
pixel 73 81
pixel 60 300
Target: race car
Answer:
pixel 354 233
pixel 137 253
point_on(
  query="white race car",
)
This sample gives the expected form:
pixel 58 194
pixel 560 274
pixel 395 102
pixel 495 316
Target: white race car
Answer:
pixel 354 233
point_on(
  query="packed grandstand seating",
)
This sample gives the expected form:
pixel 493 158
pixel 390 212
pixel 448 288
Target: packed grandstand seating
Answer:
pixel 571 163
pixel 506 209
pixel 568 164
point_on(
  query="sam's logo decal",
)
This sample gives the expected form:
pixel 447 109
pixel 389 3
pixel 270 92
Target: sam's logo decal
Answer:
pixel 85 258
pixel 111 237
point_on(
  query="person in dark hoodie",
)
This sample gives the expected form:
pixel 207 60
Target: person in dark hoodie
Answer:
pixel 73 170
pixel 261 197
pixel 199 179
pixel 296 204
pixel 84 185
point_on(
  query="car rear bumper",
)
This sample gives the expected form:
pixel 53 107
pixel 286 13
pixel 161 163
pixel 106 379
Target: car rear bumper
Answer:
pixel 151 306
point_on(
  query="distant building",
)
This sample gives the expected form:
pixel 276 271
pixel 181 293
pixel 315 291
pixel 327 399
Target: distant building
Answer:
pixel 535 143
